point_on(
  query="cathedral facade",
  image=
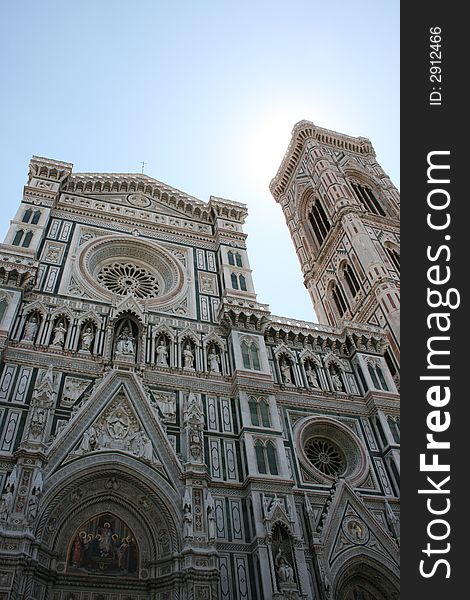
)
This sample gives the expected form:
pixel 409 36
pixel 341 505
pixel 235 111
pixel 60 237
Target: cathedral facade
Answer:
pixel 163 436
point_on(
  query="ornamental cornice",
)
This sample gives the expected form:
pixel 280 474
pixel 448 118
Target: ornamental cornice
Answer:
pixel 304 131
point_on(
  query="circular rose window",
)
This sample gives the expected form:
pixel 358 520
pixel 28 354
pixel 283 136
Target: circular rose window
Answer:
pixel 325 456
pixel 124 265
pixel 328 449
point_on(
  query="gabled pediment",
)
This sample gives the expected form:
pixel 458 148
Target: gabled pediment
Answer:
pixel 351 527
pixel 117 417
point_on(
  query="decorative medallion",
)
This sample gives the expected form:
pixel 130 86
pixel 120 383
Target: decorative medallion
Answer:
pixel 139 200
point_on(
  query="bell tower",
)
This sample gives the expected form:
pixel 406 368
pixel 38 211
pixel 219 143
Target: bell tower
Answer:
pixel 342 211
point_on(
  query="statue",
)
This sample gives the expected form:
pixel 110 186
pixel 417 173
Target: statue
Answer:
pixel 214 361
pixel 187 515
pixel 286 374
pixel 338 384
pixel 33 505
pixel 188 357
pixel 162 354
pixel 210 508
pixel 312 377
pixel 125 342
pixel 59 332
pixel 90 441
pixel 284 570
pixel 87 338
pixel 31 329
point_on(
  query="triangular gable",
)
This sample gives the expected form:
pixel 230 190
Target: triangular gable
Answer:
pixel 351 526
pixel 119 413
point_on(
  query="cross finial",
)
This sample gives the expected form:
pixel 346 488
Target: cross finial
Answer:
pixel 143 165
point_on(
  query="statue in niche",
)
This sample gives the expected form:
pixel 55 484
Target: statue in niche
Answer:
pixel 210 508
pixel 162 354
pixel 125 342
pixel 31 329
pixel 59 332
pixel 312 377
pixel 188 357
pixel 284 570
pixel 6 504
pixel 167 404
pixel 187 515
pixel 87 338
pixel 214 361
pixel 285 372
pixel 337 383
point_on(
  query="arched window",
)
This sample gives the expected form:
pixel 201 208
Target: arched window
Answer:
pixel 18 237
pixel 230 257
pixel 394 257
pixel 381 377
pixel 253 405
pixel 266 458
pixel 351 279
pixel 27 239
pixel 242 282
pixel 367 198
pixel 339 299
pixel 36 217
pixel 260 452
pixel 319 222
pixel 259 412
pixel 272 458
pixel 234 279
pixel 238 259
pixel 394 424
pixel 250 355
pixel 373 376
pixel 27 216
pixel 264 412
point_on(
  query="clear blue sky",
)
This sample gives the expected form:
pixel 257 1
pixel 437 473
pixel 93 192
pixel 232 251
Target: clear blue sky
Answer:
pixel 204 92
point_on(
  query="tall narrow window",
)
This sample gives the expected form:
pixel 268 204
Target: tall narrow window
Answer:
pixel 319 222
pixel 264 411
pixel 231 260
pixel 27 239
pixel 368 199
pixel 381 377
pixel 260 457
pixel 242 283
pixel 238 259
pixel 339 299
pixel 272 458
pixel 18 237
pixel 36 217
pixel 351 280
pixel 253 405
pixel 246 355
pixel 394 258
pixel 234 279
pixel 394 424
pixel 255 357
pixel 374 377
pixel 27 216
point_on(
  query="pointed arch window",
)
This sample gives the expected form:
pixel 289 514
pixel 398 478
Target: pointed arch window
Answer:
pixel 231 259
pixel 394 424
pixel 272 458
pixel 238 259
pixel 351 280
pixel 259 411
pixel 27 216
pixel 18 237
pixel 367 198
pixel 36 217
pixel 27 239
pixel 242 282
pixel 319 222
pixel 234 279
pixel 394 257
pixel 339 299
pixel 260 452
pixel 266 458
pixel 250 355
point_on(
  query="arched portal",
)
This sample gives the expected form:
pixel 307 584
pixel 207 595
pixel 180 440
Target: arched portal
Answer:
pixel 364 579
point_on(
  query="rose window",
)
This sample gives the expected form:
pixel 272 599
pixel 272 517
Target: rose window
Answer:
pixel 325 456
pixel 126 278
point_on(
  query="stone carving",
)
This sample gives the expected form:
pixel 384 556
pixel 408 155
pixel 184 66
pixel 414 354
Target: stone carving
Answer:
pixel 210 510
pixel 284 570
pixel 166 402
pixel 73 389
pixel 87 338
pixel 125 342
pixel 31 329
pixel 285 372
pixel 337 382
pixel 312 377
pixel 117 429
pixel 6 504
pixel 59 332
pixel 214 361
pixel 355 530
pixel 188 358
pixel 162 354
pixel 41 407
pixel 194 422
pixel 187 515
pixel 34 499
